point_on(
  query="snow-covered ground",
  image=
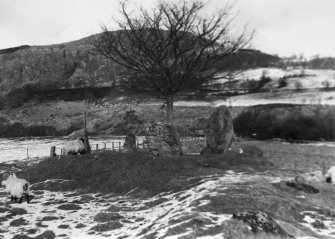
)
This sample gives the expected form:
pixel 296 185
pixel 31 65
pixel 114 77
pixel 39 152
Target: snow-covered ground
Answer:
pixel 135 218
pixel 32 147
pixel 313 78
pixel 282 97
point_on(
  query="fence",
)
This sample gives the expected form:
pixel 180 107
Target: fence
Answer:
pixel 117 145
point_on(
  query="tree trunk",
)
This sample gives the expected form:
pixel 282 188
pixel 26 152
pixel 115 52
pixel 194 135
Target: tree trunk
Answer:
pixel 169 110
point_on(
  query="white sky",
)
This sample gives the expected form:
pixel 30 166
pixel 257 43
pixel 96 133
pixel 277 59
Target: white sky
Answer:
pixel 282 27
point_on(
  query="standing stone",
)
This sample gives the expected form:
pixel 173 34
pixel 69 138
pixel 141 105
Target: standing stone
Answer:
pixel 163 140
pixel 130 143
pixel 219 132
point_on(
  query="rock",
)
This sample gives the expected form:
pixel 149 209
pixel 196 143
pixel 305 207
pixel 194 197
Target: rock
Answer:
pixel 318 224
pixel 301 186
pixel 219 132
pixel 260 221
pixel 316 176
pixel 130 143
pixel 163 140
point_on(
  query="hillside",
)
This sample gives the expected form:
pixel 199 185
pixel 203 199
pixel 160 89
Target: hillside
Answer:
pixel 28 70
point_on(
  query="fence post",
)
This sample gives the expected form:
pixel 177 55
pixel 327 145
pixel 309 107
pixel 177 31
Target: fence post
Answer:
pixel 119 146
pixel 96 146
pixel 113 146
pixel 27 154
pixel 53 151
pixel 323 167
pixel 104 145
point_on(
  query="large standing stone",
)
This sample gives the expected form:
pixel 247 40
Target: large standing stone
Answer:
pixel 219 131
pixel 163 139
pixel 130 143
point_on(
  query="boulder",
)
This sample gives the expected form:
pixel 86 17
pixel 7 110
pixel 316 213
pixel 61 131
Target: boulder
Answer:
pixel 260 221
pixel 316 176
pixel 163 139
pixel 219 131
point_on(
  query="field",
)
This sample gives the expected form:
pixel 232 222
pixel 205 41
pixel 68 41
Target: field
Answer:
pixel 128 196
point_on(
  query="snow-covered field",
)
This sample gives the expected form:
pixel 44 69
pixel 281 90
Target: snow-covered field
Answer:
pixel 127 216
pixel 32 147
pixel 313 78
pixel 311 84
pixel 281 97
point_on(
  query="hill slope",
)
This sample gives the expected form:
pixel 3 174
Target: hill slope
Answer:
pixel 26 70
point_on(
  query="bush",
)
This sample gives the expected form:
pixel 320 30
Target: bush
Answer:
pixel 325 84
pixel 282 82
pixel 263 81
pixel 297 85
pixel 287 122
pixel 131 123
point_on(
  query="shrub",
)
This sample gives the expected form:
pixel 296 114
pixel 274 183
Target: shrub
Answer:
pixel 263 81
pixel 282 82
pixel 297 85
pixel 325 84
pixel 287 122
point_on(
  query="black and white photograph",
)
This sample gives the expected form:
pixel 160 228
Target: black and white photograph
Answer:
pixel 167 119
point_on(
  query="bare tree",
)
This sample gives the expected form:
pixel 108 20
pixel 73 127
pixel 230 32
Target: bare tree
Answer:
pixel 172 46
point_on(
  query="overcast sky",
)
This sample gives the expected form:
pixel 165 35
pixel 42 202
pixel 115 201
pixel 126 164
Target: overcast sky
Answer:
pixel 282 27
